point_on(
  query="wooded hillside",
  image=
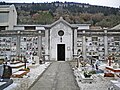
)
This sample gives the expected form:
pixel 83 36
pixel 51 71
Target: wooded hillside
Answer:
pixel 46 13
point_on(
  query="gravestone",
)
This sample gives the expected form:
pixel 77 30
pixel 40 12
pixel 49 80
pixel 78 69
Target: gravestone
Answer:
pixel 36 59
pixel 7 72
pixel 1 70
pixel 1 67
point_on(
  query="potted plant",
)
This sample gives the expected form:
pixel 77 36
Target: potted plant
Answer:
pixel 87 74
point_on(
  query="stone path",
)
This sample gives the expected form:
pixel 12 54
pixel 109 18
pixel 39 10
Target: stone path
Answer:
pixel 58 76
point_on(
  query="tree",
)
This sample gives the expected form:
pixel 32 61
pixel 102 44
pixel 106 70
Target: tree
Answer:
pixel 43 17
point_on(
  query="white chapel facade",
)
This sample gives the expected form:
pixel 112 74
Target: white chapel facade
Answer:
pixel 61 39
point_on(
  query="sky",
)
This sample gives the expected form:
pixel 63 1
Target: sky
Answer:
pixel 110 3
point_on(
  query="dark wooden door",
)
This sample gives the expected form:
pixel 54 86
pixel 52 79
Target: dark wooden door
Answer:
pixel 61 52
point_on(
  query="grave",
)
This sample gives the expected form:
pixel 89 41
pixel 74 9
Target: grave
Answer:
pixel 5 83
pixel 5 74
pixel 19 68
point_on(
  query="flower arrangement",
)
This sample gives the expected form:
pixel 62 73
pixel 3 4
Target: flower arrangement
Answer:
pixel 87 74
pixel 83 64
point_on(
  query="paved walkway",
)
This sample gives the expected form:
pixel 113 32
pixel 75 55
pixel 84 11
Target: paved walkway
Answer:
pixel 58 76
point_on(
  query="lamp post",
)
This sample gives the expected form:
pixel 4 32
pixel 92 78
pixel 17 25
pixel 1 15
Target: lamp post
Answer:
pixel 5 51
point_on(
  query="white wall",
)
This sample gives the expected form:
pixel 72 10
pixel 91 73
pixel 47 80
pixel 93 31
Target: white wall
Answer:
pixel 18 27
pixel 86 26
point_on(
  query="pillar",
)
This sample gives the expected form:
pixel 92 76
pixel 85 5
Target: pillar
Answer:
pixel 84 46
pixel 18 45
pixel 40 46
pixel 106 43
pixel 46 44
pixel 75 42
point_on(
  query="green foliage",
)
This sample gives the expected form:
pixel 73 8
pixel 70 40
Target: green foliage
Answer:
pixel 43 18
pixel 1 60
pixel 92 72
pixel 87 74
pixel 109 21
